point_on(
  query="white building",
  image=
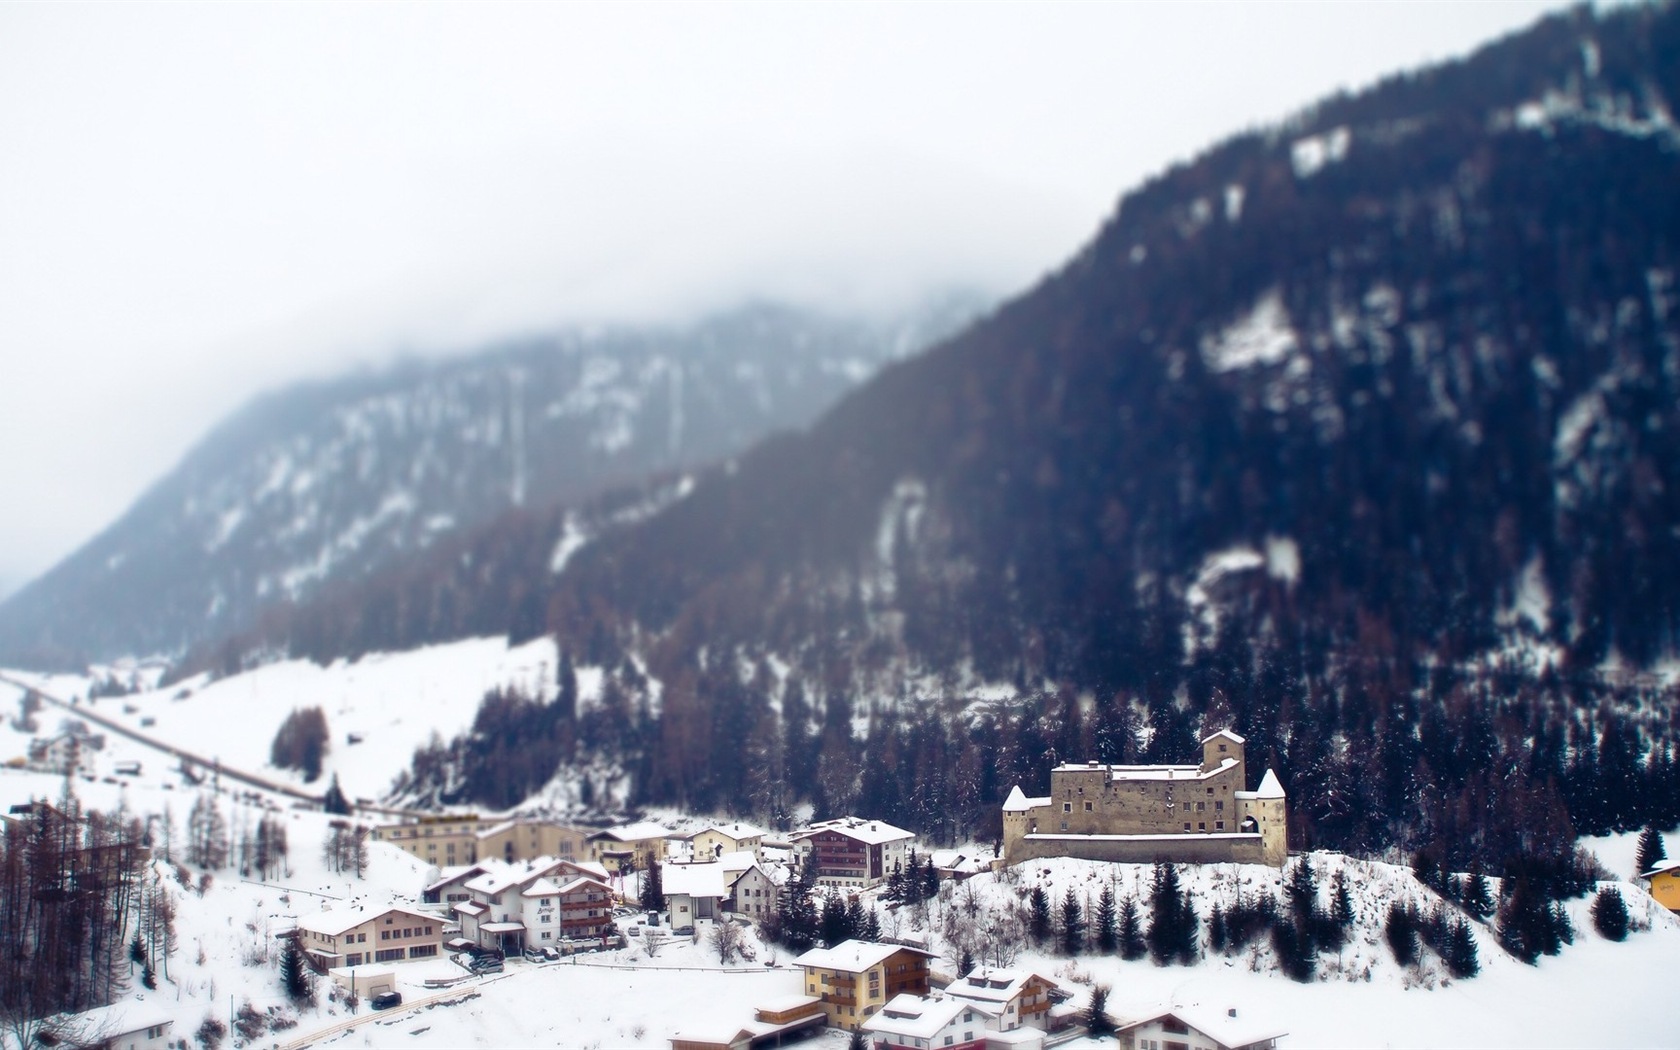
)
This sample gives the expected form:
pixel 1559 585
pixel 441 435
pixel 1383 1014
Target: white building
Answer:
pixel 719 839
pixel 1015 998
pixel 513 907
pixel 853 853
pixel 733 884
pixel 130 1025
pixel 1195 1027
pixel 911 1022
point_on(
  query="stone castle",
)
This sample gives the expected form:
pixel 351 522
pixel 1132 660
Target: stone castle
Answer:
pixel 1143 814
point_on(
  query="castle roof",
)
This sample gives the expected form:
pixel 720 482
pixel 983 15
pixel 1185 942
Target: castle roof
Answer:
pixel 1018 802
pixel 1227 734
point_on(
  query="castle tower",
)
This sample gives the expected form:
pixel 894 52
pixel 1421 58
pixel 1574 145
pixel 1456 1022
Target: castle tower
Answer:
pixel 1266 808
pixel 1220 746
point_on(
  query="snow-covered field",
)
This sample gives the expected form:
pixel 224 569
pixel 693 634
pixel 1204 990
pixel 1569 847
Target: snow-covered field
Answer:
pixel 393 702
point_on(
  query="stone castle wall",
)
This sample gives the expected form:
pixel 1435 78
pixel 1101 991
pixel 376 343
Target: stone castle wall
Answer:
pixel 1237 848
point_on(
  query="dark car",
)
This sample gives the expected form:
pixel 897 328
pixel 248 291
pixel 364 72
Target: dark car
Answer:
pixel 486 964
pixel 386 1000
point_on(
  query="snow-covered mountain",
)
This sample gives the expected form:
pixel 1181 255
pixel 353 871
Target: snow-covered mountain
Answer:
pixel 331 481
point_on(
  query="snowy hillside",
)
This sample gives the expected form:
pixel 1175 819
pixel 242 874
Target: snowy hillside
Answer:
pixel 393 703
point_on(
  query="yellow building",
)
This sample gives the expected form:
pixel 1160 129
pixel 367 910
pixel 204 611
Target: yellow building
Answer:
pixel 854 979
pixel 1665 883
pixel 515 840
pixel 445 840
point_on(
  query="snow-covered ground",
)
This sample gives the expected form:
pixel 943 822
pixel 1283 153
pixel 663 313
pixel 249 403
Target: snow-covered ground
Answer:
pixel 393 702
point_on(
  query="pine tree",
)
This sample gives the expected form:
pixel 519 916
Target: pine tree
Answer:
pixel 1073 924
pixel 1097 1022
pixel 1610 914
pixel 1401 933
pixel 294 973
pixel 1216 928
pixel 1039 923
pixel 334 801
pixel 1132 944
pixel 871 930
pixel 1460 950
pixel 1341 904
pixel 1478 896
pixel 1651 851
pixel 651 893
pixel 1107 922
pixel 835 926
pixel 1173 926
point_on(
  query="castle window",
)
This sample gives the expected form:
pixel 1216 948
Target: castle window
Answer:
pixel 1221 747
pixel 1219 825
pixel 1067 807
pixel 1187 825
pixel 1064 825
pixel 1220 805
pixel 1087 807
pixel 1202 826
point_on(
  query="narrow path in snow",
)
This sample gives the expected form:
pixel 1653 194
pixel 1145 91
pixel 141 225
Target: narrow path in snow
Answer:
pixel 85 711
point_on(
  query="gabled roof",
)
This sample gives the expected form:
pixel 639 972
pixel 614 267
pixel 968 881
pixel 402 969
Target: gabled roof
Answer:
pixel 583 882
pixel 1227 734
pixel 1221 1028
pixel 735 830
pixel 870 832
pixel 994 986
pixel 457 873
pixel 641 832
pixel 102 1023
pixel 854 956
pixel 915 1016
pixel 1660 867
pixel 333 923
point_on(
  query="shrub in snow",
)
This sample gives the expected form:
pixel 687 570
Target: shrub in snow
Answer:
pixel 1610 914
pixel 210 1033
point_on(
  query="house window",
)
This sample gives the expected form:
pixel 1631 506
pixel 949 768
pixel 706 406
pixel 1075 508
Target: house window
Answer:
pixel 388 955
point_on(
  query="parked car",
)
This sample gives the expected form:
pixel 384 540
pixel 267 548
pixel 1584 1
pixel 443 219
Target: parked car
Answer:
pixel 535 955
pixel 386 1000
pixel 486 964
pixel 550 953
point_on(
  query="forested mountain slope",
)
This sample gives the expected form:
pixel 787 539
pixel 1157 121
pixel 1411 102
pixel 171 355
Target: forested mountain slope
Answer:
pixel 1363 430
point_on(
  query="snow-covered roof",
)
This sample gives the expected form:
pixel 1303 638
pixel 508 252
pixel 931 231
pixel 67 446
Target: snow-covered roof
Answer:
pixel 1224 1029
pixel 1270 786
pixel 333 923
pixel 103 1023
pixel 914 1016
pixel 639 832
pixel 736 831
pixel 1227 734
pixel 470 908
pixel 501 927
pixel 1660 867
pixel 869 832
pixel 740 860
pixel 853 956
pixel 694 880
pixel 1019 802
pixel 456 873
pixel 995 986
pixel 583 882
pixel 543 887
pixel 1176 772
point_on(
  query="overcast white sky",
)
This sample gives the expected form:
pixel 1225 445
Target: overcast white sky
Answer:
pixel 199 202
